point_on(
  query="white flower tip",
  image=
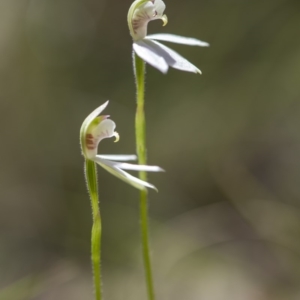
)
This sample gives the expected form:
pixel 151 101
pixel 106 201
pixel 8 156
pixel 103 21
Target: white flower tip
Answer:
pixel 148 185
pixel 117 136
pixel 154 169
pixel 151 187
pixel 204 44
pixel 165 20
pixel 159 169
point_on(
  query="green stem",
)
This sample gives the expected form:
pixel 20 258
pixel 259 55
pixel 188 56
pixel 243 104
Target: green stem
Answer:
pixel 92 184
pixel 140 131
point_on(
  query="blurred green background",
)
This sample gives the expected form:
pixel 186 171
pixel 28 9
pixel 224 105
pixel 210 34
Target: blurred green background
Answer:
pixel 226 221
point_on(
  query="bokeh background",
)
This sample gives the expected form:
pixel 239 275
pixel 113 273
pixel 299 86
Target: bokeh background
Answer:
pixel 226 221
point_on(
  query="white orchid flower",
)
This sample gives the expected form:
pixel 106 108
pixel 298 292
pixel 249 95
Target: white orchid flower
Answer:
pixel 146 47
pixel 96 128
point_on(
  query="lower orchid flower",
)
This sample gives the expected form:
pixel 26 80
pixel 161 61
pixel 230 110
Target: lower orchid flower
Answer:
pixel 146 47
pixel 96 128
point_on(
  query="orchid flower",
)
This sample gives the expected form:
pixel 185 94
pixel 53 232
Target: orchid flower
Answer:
pixel 94 129
pixel 146 46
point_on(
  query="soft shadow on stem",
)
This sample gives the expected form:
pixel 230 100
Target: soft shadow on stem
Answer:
pixel 92 185
pixel 140 131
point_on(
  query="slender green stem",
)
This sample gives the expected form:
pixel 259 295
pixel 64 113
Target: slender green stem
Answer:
pixel 92 184
pixel 140 131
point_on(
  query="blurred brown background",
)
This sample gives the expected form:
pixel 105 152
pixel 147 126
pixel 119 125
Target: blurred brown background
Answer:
pixel 226 221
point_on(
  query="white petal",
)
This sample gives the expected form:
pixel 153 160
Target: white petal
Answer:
pixel 149 55
pixel 172 58
pixel 134 167
pixel 160 7
pixel 105 129
pixel 111 167
pixel 177 39
pixel 119 157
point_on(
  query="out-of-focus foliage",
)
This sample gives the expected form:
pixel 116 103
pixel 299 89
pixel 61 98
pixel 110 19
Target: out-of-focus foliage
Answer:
pixel 226 220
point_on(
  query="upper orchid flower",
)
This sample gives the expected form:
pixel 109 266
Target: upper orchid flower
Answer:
pixel 145 46
pixel 96 128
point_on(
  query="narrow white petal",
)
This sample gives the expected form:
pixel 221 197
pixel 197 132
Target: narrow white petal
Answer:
pixel 167 37
pixel 133 167
pixel 119 157
pixel 173 59
pixel 112 168
pixel 149 55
